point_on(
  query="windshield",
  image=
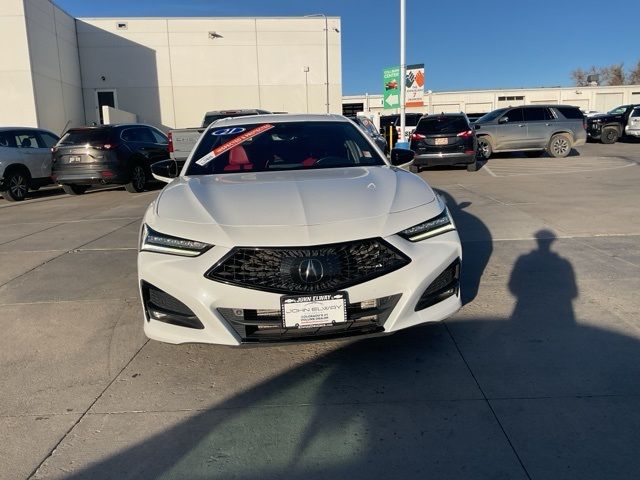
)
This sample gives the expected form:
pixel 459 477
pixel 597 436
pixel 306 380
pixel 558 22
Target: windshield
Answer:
pixel 618 110
pixel 282 146
pixel 85 137
pixel 443 124
pixel 491 116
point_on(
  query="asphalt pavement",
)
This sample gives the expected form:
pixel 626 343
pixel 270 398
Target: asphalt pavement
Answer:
pixel 537 377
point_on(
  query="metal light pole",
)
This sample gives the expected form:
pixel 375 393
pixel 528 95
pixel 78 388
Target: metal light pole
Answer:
pixel 403 70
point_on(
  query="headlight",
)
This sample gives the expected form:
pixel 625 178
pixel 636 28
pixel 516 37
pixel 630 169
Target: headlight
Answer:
pixel 153 241
pixel 437 225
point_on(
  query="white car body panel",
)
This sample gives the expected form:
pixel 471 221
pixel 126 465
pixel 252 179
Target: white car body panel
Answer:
pixel 295 208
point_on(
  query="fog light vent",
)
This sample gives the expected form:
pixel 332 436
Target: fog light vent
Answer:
pixel 444 286
pixel 161 306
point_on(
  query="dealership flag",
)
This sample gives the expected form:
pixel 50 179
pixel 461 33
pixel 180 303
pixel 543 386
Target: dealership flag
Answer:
pixel 414 85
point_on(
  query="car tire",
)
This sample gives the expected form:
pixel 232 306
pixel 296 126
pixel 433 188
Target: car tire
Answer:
pixel 484 148
pixel 16 185
pixel 138 179
pixel 534 153
pixel 75 189
pixel 472 167
pixel 560 145
pixel 609 135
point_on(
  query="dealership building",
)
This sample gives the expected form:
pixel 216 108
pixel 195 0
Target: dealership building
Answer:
pixel 58 71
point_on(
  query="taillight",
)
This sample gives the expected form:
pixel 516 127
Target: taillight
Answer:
pixel 417 136
pixel 170 145
pixel 584 122
pixel 465 134
pixel 108 146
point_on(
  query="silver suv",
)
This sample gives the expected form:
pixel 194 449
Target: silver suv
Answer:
pixel 25 160
pixel 532 129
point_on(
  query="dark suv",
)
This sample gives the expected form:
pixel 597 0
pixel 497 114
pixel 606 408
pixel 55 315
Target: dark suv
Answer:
pixel 532 129
pixel 108 154
pixel 444 139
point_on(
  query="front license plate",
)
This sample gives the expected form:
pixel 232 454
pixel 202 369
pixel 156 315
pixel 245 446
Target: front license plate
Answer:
pixel 75 159
pixel 442 141
pixel 312 311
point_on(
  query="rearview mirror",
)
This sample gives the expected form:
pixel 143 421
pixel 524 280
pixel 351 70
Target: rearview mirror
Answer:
pixel 165 171
pixel 503 120
pixel 401 156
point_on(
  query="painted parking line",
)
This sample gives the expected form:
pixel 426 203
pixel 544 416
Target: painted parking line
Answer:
pixel 517 167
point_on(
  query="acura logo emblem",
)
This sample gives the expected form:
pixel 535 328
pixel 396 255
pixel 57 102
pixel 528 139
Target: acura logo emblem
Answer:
pixel 310 270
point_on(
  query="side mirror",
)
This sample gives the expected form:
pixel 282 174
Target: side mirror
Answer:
pixel 503 120
pixel 401 156
pixel 164 171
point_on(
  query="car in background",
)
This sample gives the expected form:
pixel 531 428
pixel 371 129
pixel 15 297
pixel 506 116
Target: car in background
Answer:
pixel 633 124
pixel 25 160
pixel 532 129
pixel 609 127
pixel 474 116
pixel 182 140
pixel 371 130
pixel 108 155
pixel 445 139
pixel 390 126
pixel 293 227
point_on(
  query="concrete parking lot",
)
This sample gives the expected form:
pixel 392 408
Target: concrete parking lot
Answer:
pixel 537 377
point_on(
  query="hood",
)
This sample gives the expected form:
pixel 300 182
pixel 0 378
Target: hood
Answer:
pixel 363 200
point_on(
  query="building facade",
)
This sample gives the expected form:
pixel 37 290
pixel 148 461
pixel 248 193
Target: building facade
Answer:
pixel 166 71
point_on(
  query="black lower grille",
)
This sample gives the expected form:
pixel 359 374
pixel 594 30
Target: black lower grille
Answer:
pixel 444 286
pixel 161 306
pixel 317 269
pixel 266 325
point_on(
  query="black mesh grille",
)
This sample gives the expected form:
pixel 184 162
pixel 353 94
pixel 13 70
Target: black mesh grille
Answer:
pixel 317 269
pixel 445 285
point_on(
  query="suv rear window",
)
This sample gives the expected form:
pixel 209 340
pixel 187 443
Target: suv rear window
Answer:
pixel 448 124
pixel 570 112
pixel 84 137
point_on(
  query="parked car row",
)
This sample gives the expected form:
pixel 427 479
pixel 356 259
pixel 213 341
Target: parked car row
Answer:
pixel 107 154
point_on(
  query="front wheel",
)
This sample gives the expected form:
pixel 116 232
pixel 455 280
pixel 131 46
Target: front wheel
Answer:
pixel 75 189
pixel 484 148
pixel 559 145
pixel 138 180
pixel 609 135
pixel 16 186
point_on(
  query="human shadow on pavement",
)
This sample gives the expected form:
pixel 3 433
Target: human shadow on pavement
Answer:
pixel 410 405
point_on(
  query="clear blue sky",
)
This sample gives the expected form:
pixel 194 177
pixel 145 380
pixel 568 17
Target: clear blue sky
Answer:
pixel 464 44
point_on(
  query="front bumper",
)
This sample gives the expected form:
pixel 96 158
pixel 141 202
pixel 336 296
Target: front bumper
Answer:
pixel 214 304
pixel 437 159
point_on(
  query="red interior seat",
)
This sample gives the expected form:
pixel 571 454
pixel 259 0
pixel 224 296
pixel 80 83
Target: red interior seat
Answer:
pixel 238 160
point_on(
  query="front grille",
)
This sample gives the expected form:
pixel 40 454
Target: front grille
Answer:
pixel 299 270
pixel 266 325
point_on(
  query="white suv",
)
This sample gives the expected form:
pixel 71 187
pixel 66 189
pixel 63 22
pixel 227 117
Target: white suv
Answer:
pixel 25 160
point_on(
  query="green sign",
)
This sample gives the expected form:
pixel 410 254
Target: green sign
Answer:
pixel 391 87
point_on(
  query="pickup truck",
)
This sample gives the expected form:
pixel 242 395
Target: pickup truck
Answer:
pixel 182 140
pixel 610 126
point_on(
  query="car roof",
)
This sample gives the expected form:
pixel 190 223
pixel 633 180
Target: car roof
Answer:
pixel 277 118
pixel 109 126
pixel 33 129
pixel 233 110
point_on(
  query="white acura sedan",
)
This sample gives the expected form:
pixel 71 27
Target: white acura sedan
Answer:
pixel 293 227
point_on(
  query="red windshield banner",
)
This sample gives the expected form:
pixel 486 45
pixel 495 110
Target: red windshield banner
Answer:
pixel 234 143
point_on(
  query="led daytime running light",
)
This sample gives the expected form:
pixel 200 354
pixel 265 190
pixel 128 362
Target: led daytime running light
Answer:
pixel 435 226
pixel 153 241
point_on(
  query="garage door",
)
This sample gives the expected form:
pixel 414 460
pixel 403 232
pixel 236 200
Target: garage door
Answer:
pixel 479 107
pixel 446 108
pixel 607 101
pixel 581 103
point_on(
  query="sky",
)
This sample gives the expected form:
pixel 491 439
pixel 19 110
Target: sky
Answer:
pixel 464 44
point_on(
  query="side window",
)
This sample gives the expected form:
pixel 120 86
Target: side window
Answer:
pixel 159 137
pixel 7 139
pixel 636 112
pixel 548 114
pixel 515 115
pixel 146 136
pixel 128 135
pixel 26 140
pixel 47 140
pixel 533 114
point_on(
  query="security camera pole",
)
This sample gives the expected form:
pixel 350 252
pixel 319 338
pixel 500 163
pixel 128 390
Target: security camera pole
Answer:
pixel 403 71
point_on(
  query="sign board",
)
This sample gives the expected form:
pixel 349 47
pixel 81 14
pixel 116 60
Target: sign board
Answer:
pixel 391 87
pixel 414 85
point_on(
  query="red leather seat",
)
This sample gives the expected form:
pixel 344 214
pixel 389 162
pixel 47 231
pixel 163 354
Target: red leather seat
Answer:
pixel 238 160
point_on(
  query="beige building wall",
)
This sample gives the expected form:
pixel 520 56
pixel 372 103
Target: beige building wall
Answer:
pixel 482 101
pixel 55 67
pixel 16 82
pixel 170 71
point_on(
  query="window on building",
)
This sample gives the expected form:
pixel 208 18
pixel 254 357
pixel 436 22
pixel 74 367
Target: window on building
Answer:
pixel 517 98
pixel 351 109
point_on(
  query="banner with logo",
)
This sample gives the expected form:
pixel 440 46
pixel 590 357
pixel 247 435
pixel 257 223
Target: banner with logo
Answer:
pixel 391 87
pixel 414 86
